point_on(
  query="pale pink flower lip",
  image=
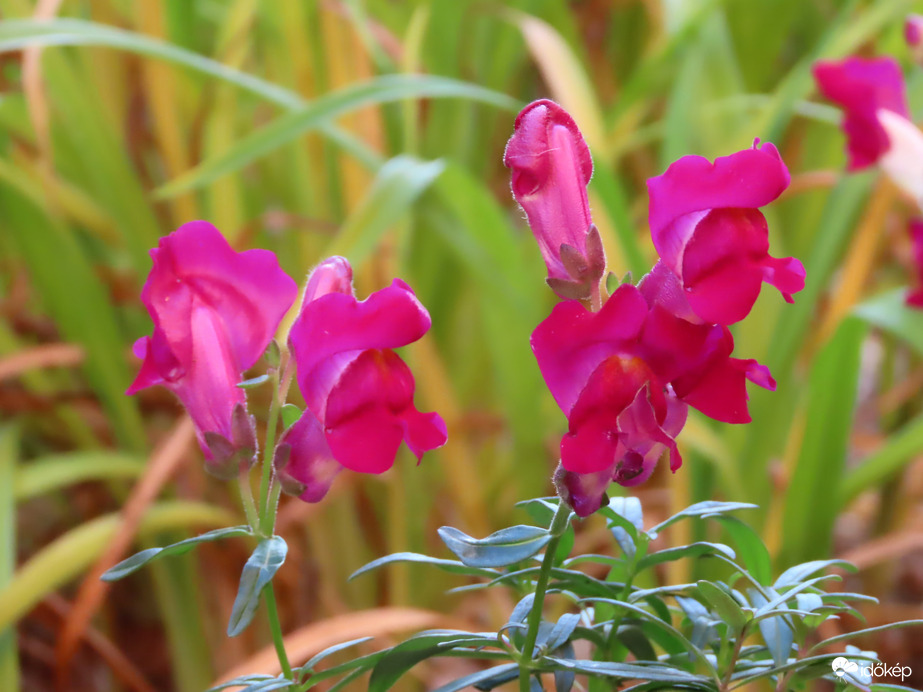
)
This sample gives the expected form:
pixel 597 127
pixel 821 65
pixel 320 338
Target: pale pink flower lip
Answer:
pixel 706 225
pixel 359 393
pixel 862 87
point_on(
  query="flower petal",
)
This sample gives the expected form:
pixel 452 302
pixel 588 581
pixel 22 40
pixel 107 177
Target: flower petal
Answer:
pixel 572 341
pixel 745 180
pixel 370 411
pixel 247 290
pixel 308 467
pixel 331 331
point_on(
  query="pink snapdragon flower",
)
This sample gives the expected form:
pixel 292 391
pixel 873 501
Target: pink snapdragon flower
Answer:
pixel 214 311
pixel 358 392
pixel 624 377
pixel 877 121
pixel 913 35
pixel 551 168
pixel 864 88
pixel 707 227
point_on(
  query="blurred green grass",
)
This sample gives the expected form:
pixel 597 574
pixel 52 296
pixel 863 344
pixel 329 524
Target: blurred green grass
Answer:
pixel 375 129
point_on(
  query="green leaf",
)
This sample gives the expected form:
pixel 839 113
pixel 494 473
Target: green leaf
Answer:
pixel 708 508
pixel 138 560
pixel 626 521
pixel 866 631
pixel 406 655
pixel 290 415
pixel 629 671
pixel 285 129
pixel 257 573
pixel 753 551
pixel 330 650
pixel 890 313
pixel 241 681
pixel 481 676
pixel 722 602
pixel 798 573
pixel 253 382
pixel 505 547
pixel 451 566
pixel 776 631
pixel 692 550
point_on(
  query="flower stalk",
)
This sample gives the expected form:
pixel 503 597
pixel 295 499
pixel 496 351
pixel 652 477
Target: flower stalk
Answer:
pixel 559 524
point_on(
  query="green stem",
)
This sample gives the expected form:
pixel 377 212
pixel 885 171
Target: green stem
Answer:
pixel 268 449
pixel 269 492
pixel 558 526
pixel 270 596
pixel 246 496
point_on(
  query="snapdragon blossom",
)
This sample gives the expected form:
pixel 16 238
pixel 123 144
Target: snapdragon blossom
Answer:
pixel 707 228
pixel 551 167
pixel 864 88
pixel 624 377
pixel 876 119
pixel 214 312
pixel 625 369
pixel 357 390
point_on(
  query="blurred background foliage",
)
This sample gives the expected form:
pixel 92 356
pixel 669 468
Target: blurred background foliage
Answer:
pixel 375 129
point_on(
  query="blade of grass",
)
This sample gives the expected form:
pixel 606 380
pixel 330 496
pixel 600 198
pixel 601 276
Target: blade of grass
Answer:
pixel 72 553
pixel 810 507
pixel 9 451
pixel 386 89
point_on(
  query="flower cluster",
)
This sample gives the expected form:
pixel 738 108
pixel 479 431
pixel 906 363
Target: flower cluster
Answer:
pixel 625 372
pixel 215 312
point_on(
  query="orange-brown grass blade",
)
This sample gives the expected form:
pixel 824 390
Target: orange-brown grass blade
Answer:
pixel 163 463
pixel 39 357
pixel 307 641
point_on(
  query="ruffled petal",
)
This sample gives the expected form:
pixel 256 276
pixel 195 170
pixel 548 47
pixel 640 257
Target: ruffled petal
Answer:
pixel 593 436
pixel 746 180
pixel 370 411
pixel 247 290
pixel 334 328
pixel 572 341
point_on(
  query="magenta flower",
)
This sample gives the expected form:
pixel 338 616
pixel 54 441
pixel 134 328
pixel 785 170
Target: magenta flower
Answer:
pixel 214 311
pixel 624 376
pixel 913 31
pixel 915 297
pixel 551 167
pixel 358 392
pixel 864 88
pixel 707 227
